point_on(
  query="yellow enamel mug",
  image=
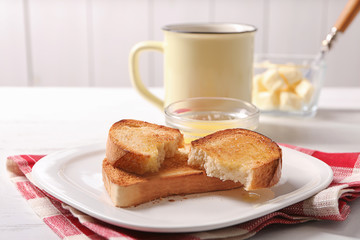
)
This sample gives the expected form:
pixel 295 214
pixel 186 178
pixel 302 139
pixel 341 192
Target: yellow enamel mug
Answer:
pixel 200 60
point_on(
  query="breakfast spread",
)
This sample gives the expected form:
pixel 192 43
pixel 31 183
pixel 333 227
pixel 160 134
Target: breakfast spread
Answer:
pixel 146 161
pixel 281 87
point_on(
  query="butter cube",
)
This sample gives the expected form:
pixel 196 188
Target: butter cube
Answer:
pixel 257 84
pixel 291 74
pixel 305 90
pixel 290 101
pixel 272 80
pixel 266 100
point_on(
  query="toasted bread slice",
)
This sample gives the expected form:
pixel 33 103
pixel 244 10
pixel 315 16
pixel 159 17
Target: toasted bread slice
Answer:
pixel 141 147
pixel 175 177
pixel 239 155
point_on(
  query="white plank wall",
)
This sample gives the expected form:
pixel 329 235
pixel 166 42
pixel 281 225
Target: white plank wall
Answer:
pixel 87 42
pixel 295 26
pixel 117 25
pixel 59 42
pixel 13 49
pixel 343 65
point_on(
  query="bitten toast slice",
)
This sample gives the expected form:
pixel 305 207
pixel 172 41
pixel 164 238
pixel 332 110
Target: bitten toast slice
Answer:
pixel 140 147
pixel 239 155
pixel 174 177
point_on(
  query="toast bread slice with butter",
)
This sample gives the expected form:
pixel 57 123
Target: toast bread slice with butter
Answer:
pixel 141 147
pixel 175 177
pixel 239 155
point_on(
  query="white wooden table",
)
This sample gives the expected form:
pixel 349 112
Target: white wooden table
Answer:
pixel 42 120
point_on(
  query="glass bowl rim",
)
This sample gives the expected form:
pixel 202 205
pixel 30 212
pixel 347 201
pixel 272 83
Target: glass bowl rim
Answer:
pixel 253 111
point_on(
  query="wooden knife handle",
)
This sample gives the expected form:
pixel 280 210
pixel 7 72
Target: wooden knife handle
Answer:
pixel 349 12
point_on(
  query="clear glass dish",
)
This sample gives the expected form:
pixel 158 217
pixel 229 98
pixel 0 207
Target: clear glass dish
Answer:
pixel 198 117
pixel 287 85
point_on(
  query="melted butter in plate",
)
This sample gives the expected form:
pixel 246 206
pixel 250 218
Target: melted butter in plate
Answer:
pixel 254 197
pixel 257 196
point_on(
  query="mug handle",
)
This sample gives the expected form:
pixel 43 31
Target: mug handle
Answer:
pixel 134 70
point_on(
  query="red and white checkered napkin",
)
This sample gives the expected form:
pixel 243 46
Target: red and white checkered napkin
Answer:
pixel 329 204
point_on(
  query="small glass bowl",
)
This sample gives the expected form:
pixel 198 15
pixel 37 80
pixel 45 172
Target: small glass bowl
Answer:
pixel 297 95
pixel 198 117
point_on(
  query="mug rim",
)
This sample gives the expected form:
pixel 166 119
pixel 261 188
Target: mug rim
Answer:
pixel 203 28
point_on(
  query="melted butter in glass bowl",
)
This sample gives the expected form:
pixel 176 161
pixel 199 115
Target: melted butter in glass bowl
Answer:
pixel 198 117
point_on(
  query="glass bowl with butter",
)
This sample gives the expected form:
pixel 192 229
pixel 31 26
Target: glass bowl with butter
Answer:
pixel 287 85
pixel 201 116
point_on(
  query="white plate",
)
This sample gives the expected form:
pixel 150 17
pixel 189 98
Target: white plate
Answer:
pixel 74 177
